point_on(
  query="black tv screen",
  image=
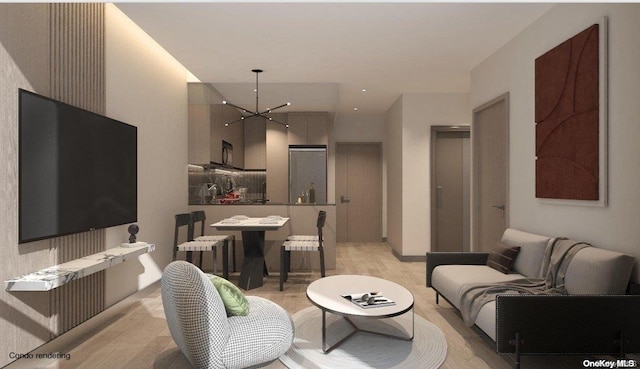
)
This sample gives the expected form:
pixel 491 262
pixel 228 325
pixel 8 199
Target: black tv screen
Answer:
pixel 77 169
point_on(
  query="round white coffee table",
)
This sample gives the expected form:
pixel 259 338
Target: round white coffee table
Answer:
pixel 326 293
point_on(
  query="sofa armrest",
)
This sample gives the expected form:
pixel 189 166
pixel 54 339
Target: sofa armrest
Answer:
pixel 453 258
pixel 576 324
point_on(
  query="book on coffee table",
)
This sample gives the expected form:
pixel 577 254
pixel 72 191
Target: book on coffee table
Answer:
pixel 368 300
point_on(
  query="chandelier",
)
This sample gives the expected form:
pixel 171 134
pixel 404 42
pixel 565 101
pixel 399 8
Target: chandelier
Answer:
pixel 257 112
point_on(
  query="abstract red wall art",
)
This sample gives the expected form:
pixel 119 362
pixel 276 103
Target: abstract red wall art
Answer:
pixel 567 115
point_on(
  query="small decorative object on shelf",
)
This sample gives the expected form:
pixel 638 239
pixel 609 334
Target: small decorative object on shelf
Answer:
pixel 302 198
pixel 369 300
pixel 133 230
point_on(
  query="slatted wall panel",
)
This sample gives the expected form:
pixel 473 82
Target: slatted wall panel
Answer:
pixel 77 75
pixel 77 55
pixel 75 302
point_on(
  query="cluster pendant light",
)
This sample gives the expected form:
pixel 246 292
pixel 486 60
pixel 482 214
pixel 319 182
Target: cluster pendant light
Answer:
pixel 257 112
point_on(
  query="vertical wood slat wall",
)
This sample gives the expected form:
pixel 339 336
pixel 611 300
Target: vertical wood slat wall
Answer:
pixel 77 77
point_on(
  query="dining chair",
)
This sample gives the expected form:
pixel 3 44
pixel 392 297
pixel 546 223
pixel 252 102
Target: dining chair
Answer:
pixel 189 245
pixel 200 216
pixel 182 220
pixel 302 243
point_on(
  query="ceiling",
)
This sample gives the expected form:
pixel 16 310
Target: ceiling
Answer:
pixel 320 56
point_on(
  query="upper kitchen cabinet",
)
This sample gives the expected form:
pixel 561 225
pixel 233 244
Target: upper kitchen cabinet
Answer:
pixel 207 118
pixel 308 129
pixel 233 134
pixel 255 148
pixel 199 133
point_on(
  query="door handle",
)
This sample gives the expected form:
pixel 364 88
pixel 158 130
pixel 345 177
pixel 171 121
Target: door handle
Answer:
pixel 345 199
pixel 439 197
pixel 501 207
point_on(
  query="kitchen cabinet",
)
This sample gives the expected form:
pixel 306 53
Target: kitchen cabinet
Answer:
pixel 317 132
pixel 255 148
pixel 233 134
pixel 207 118
pixel 199 133
pixel 277 163
pixel 308 129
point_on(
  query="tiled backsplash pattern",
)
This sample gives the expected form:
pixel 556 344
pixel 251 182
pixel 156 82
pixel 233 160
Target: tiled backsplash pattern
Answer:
pixel 200 182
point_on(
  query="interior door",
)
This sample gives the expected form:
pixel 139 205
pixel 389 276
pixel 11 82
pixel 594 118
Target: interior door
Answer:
pixel 450 189
pixel 358 192
pixel 490 163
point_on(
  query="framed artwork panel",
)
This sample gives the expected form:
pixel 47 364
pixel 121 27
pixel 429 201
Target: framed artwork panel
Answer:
pixel 570 116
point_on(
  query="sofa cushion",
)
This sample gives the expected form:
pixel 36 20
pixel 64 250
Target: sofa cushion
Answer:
pixel 532 247
pixel 502 257
pixel 486 319
pixel 595 271
pixel 448 280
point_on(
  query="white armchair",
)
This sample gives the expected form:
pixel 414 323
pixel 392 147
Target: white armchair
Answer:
pixel 208 338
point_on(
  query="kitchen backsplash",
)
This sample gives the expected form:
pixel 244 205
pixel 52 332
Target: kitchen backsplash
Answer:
pixel 201 184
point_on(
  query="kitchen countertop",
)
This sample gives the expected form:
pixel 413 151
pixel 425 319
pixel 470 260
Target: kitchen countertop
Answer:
pixel 238 203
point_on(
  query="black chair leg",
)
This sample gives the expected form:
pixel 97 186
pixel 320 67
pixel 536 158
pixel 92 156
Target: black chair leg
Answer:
pixel 225 259
pixel 322 273
pixel 200 261
pixel 233 257
pixel 288 269
pixel 282 267
pixel 189 257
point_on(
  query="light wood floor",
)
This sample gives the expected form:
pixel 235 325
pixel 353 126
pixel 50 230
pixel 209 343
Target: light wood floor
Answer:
pixel 136 336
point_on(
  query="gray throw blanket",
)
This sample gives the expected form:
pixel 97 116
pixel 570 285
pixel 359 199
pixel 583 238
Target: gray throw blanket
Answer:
pixel 556 260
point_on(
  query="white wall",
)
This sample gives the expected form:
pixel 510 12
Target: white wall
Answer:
pixel 393 121
pixel 419 113
pixel 512 69
pixel 147 88
pixel 408 124
pixel 356 127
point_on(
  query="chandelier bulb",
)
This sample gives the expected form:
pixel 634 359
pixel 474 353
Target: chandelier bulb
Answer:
pixel 224 102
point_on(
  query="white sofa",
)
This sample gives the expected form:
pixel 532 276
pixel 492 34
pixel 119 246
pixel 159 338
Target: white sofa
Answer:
pixel 592 271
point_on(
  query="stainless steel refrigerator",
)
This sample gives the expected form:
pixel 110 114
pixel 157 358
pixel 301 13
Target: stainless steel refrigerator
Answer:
pixel 307 164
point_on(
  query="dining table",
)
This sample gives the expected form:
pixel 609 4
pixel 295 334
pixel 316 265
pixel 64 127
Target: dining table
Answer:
pixel 253 229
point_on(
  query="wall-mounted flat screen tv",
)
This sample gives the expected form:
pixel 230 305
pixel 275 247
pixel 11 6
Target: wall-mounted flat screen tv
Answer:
pixel 77 169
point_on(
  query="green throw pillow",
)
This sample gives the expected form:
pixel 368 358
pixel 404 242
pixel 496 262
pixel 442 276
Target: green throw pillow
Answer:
pixel 233 299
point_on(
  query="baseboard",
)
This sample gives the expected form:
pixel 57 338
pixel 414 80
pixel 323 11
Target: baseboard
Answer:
pixel 410 258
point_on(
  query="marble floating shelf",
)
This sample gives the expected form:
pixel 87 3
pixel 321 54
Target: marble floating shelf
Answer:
pixel 57 275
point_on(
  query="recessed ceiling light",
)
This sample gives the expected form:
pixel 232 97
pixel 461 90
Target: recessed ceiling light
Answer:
pixel 355 108
pixel 364 90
